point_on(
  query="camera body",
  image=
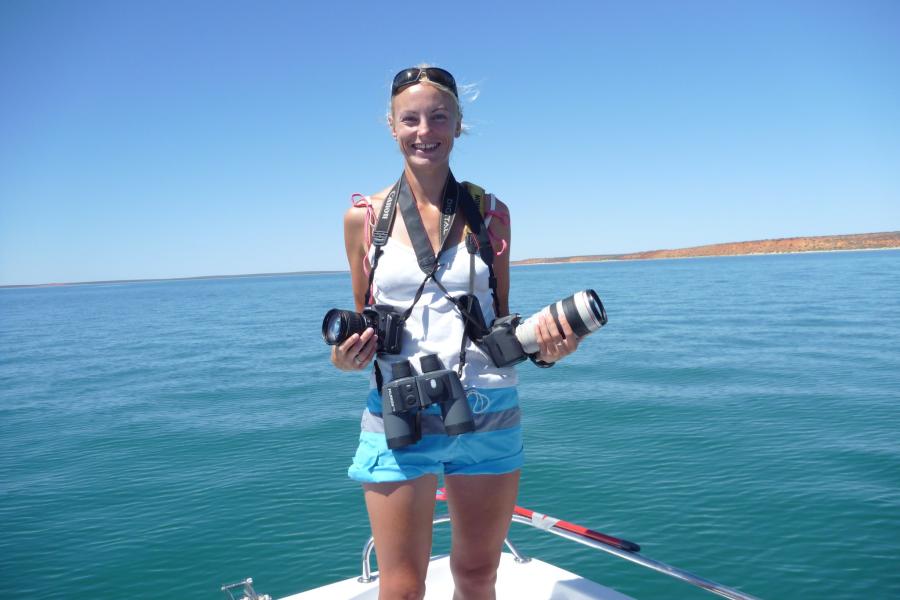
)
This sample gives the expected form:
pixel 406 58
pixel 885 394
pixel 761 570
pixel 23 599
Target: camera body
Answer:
pixel 387 322
pixel 510 339
pixel 501 344
pixel 407 394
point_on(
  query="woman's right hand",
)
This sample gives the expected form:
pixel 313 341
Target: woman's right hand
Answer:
pixel 355 353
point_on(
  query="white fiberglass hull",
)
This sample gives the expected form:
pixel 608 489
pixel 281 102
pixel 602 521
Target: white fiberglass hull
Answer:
pixel 528 578
pixel 534 579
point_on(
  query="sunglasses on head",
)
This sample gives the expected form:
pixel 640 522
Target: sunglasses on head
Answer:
pixel 408 77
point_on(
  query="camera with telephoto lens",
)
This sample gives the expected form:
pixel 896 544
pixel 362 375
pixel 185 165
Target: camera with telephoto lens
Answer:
pixel 407 395
pixel 511 340
pixel 338 325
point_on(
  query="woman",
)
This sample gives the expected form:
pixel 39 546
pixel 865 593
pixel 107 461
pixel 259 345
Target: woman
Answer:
pixel 481 469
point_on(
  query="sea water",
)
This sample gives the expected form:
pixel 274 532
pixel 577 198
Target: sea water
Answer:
pixel 738 417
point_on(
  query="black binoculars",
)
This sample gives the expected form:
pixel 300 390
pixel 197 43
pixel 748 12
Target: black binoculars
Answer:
pixel 407 395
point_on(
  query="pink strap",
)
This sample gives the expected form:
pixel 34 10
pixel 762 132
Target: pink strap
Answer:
pixel 360 201
pixel 494 237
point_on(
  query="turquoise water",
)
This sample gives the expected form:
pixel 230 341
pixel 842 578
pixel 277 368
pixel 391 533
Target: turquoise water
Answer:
pixel 738 418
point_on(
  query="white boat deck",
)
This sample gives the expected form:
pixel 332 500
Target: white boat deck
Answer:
pixel 535 580
pixel 532 579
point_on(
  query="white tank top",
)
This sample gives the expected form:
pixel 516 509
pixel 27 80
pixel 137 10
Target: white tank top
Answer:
pixel 435 325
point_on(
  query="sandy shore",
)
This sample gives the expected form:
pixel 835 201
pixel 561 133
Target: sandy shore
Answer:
pixel 530 263
pixel 797 245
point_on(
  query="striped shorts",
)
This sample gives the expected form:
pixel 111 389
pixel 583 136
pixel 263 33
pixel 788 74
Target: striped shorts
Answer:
pixel 494 447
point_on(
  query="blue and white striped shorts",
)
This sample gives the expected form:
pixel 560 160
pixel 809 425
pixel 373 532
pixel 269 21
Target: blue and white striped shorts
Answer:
pixel 494 447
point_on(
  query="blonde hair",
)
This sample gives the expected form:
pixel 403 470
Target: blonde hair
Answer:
pixel 468 91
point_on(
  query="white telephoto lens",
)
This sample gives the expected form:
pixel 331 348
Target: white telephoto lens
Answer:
pixel 583 311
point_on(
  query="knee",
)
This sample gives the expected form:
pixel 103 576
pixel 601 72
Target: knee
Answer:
pixel 401 587
pixel 474 579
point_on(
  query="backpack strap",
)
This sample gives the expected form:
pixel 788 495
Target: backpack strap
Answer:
pixel 473 202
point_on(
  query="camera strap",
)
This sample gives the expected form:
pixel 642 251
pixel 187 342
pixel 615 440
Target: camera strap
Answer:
pixel 454 196
pixel 425 254
pixel 381 234
pixel 401 195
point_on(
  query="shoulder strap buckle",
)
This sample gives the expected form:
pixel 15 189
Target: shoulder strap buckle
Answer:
pixel 473 207
pixel 380 238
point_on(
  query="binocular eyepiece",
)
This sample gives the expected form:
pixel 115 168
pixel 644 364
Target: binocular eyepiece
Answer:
pixel 508 341
pixel 407 395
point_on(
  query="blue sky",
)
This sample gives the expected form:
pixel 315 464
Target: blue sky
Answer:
pixel 173 139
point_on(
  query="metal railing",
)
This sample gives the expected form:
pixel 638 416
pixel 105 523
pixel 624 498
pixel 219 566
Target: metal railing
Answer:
pixel 245 588
pixel 635 557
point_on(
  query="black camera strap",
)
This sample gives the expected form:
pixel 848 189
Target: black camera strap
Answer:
pixel 425 254
pixel 454 196
pixel 428 261
pixel 382 233
pixel 401 195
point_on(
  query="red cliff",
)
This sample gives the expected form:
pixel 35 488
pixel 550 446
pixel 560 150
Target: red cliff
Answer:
pixel 825 243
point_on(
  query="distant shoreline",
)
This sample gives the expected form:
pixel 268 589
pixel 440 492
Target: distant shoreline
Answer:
pixel 798 245
pixel 161 279
pixel 529 263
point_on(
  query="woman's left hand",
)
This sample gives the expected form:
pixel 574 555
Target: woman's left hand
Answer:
pixel 554 344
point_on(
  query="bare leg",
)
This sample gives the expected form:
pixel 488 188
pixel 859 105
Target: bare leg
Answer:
pixel 480 510
pixel 401 516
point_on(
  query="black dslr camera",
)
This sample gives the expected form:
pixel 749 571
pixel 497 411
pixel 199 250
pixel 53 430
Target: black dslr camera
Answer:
pixel 338 325
pixel 510 340
pixel 407 395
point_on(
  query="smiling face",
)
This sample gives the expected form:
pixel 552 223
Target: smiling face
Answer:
pixel 425 120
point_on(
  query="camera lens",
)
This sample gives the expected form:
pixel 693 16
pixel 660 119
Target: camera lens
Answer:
pixel 590 311
pixel 335 329
pixel 597 308
pixel 583 310
pixel 338 325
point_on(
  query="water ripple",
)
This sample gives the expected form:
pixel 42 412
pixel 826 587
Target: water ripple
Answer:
pixel 737 417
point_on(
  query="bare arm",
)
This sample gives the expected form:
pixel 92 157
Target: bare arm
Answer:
pixel 355 244
pixel 355 353
pixel 502 230
pixel 553 343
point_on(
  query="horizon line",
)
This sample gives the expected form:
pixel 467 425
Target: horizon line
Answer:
pixel 158 279
pixel 515 263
